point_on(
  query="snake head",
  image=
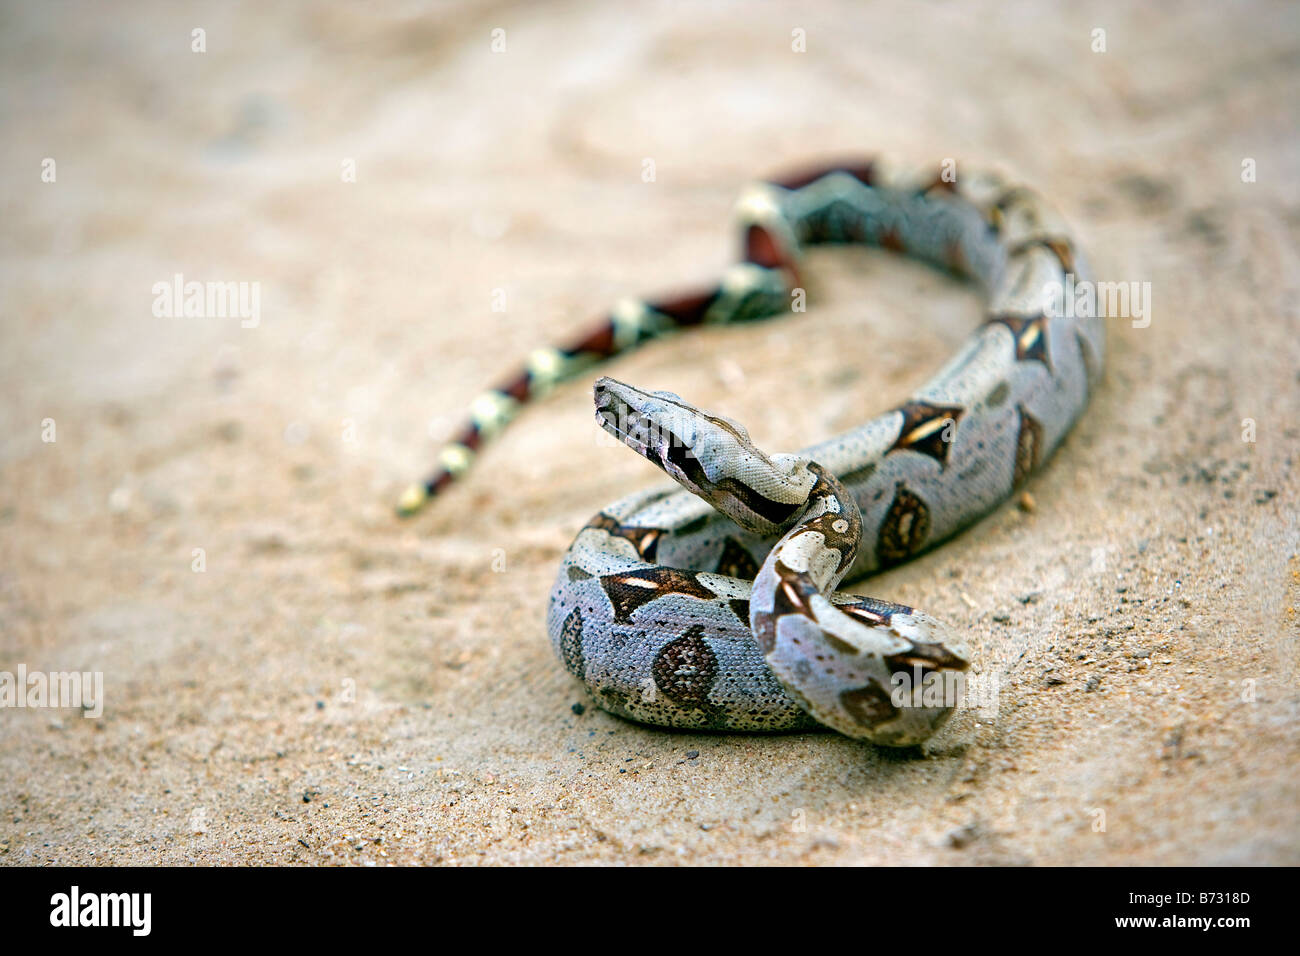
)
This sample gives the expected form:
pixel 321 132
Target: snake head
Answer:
pixel 707 454
pixel 647 422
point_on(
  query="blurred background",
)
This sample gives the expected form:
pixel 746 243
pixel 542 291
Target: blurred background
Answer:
pixel 294 676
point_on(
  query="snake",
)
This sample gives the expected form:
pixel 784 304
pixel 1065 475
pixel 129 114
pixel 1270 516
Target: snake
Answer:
pixel 712 604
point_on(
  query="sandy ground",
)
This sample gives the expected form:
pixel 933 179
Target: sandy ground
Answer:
pixel 336 686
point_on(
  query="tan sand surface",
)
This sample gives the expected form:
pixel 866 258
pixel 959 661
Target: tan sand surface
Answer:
pixel 339 687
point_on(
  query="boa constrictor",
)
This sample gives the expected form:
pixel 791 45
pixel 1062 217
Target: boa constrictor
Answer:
pixel 682 608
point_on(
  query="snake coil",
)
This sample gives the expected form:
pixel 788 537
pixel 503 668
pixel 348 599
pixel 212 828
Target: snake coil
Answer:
pixel 714 606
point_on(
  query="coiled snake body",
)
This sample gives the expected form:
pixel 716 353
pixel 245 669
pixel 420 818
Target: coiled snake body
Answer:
pixel 715 606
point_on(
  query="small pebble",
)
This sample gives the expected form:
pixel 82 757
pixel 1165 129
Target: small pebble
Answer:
pixel 1027 503
pixel 962 836
pixel 119 500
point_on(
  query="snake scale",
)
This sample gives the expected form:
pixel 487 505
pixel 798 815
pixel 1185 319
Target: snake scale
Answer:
pixel 713 606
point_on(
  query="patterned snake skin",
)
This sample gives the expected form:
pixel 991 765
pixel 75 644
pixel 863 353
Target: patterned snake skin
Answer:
pixel 682 608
